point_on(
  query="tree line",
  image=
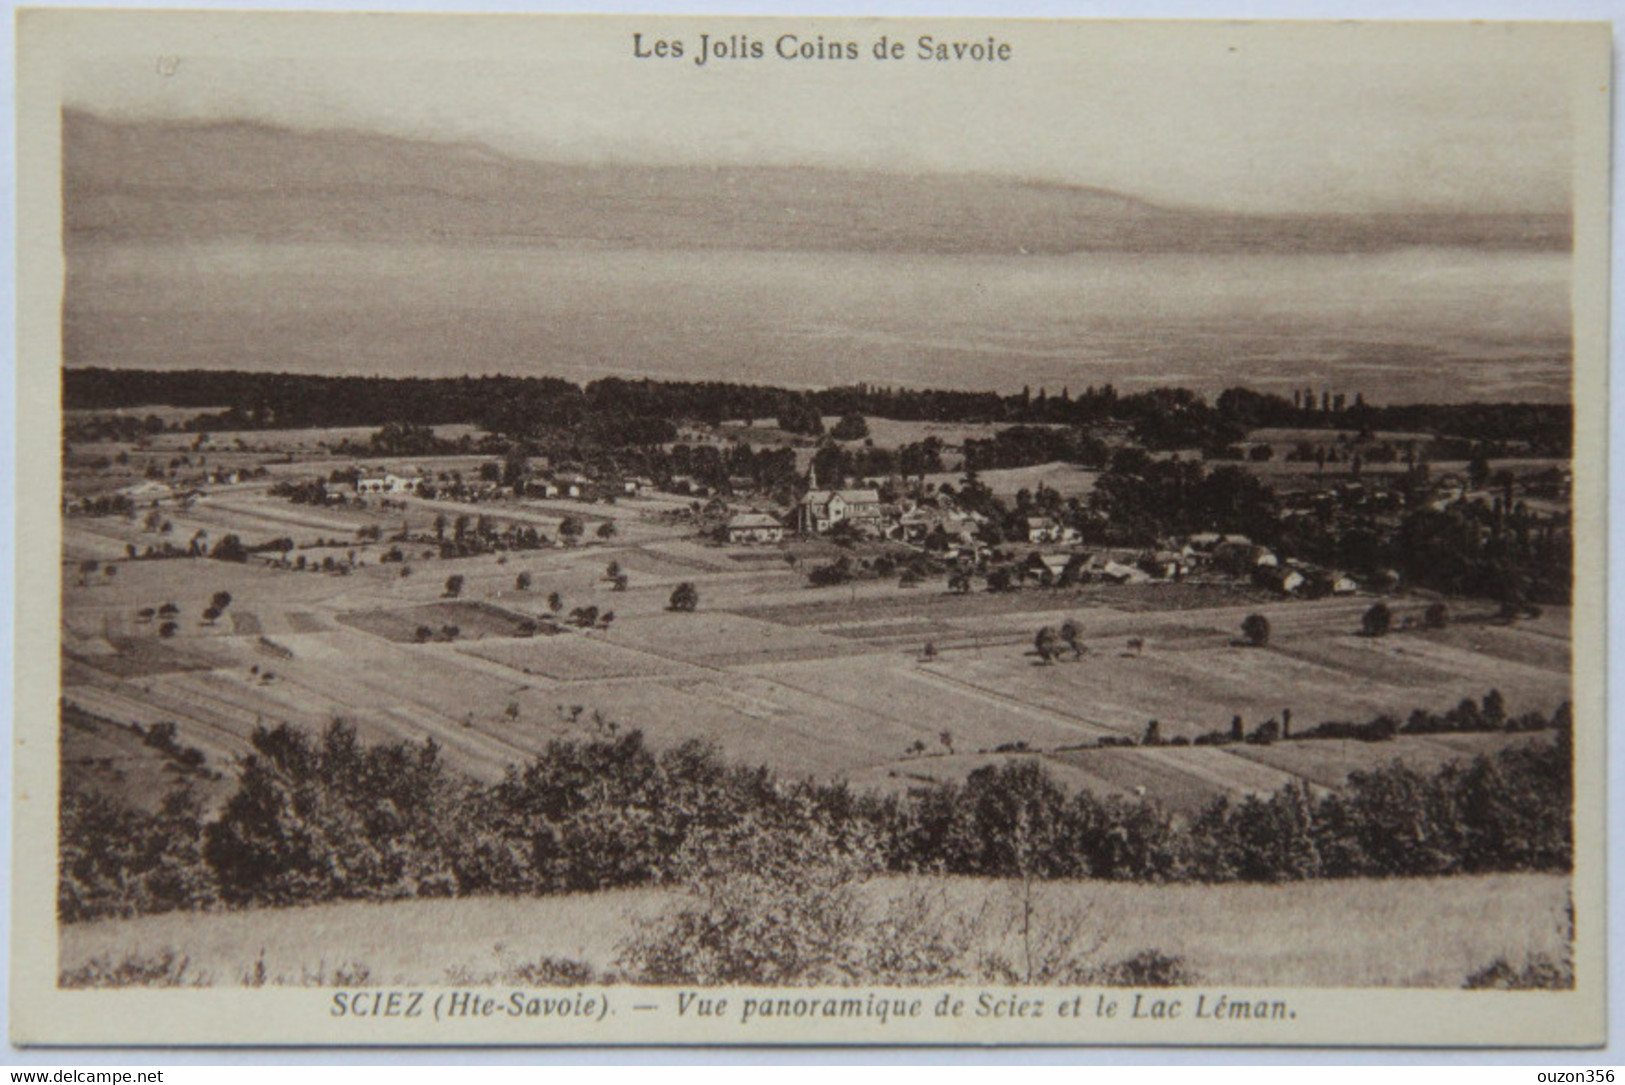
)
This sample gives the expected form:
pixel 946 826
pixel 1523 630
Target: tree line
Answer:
pixel 621 412
pixel 324 817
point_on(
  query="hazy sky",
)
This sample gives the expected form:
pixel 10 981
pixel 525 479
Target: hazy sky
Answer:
pixel 1249 118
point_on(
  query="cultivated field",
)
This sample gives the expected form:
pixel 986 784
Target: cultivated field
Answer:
pixel 1069 480
pixel 830 683
pixel 1355 933
pixel 826 683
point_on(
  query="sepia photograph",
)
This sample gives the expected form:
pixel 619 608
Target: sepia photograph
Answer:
pixel 616 530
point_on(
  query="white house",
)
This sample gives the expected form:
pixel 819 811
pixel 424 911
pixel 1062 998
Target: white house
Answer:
pixel 821 510
pixel 1040 529
pixel 148 491
pixel 406 480
pixel 755 527
pixel 1282 578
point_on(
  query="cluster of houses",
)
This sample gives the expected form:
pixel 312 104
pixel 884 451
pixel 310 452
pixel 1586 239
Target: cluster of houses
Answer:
pixel 392 481
pixel 402 481
pixel 935 522
pixel 1207 552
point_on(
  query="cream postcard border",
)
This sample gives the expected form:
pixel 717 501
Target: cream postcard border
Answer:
pixel 43 1014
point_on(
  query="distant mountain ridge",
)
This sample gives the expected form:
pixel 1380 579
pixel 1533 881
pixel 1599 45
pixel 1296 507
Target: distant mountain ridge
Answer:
pixel 174 181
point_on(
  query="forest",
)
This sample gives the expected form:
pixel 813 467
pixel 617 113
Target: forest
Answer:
pixel 636 412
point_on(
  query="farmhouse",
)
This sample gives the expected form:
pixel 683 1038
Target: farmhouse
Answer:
pixel 1119 573
pixel 1041 529
pixel 408 480
pixel 1049 568
pixel 1283 579
pixel 148 491
pixel 1242 558
pixel 755 527
pixel 820 510
pixel 1164 564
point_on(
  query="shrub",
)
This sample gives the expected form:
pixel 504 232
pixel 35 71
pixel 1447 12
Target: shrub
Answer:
pixel 836 572
pixel 551 972
pixel 1539 973
pixel 116 861
pixel 1148 968
pixel 163 969
pixel 1256 628
pixel 1377 621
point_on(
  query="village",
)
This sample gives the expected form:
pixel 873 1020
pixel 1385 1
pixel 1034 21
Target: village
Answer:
pixel 876 629
pixel 913 527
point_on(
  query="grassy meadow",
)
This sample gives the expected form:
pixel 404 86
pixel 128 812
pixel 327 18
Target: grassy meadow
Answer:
pixel 1413 932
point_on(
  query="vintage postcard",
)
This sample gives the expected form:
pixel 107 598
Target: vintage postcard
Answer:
pixel 656 530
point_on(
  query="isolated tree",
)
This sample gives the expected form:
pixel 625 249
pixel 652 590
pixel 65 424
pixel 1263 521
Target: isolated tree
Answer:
pixel 454 585
pixel 1137 645
pixel 621 581
pixel 555 602
pixel 211 615
pixel 168 610
pixel 1256 628
pixel 947 740
pixel 1070 632
pixel 685 597
pixel 423 634
pixel 145 614
pixel 606 530
pixel 522 582
pixel 959 583
pixel 1045 642
pixel 1436 616
pixel 87 569
pixel 851 427
pixel 440 527
pixel 612 570
pixel 110 571
pixel 1377 621
pixel 1153 734
pixel 230 548
pixel 221 600
pixel 605 619
pixel 168 629
pixel 798 415
pixel 570 529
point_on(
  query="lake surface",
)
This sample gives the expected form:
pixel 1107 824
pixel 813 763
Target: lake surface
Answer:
pixel 1418 324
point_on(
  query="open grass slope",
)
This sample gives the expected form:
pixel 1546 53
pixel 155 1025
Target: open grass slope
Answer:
pixel 1349 933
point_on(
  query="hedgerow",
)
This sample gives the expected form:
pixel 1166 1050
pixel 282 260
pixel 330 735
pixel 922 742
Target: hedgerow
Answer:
pixel 324 817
